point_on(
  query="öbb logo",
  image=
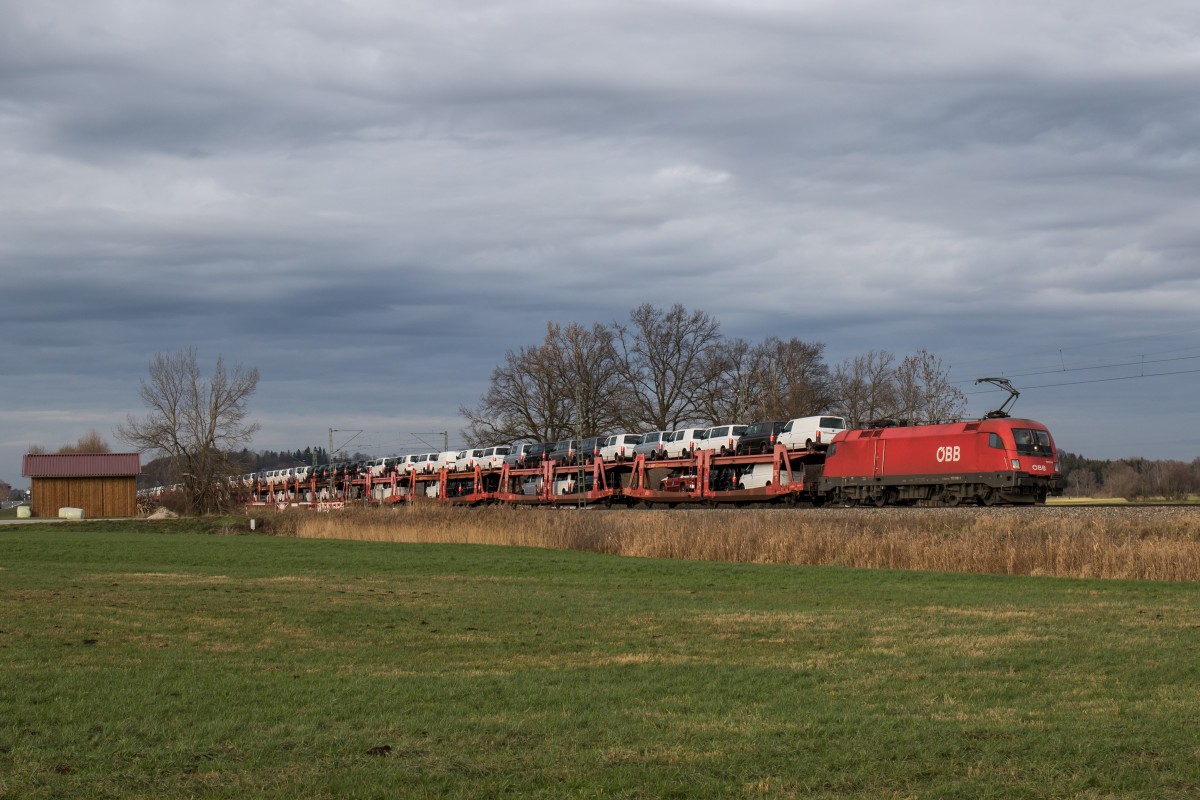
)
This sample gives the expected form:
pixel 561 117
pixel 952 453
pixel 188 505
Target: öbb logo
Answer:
pixel 948 453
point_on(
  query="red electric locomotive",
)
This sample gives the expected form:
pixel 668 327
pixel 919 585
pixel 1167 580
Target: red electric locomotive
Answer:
pixel 989 461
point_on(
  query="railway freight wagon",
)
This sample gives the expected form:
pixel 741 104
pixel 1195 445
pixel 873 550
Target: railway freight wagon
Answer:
pixel 988 461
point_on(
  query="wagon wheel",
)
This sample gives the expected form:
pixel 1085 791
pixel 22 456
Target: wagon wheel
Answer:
pixel 880 500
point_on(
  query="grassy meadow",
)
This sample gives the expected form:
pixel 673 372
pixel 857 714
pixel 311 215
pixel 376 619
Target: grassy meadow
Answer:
pixel 148 660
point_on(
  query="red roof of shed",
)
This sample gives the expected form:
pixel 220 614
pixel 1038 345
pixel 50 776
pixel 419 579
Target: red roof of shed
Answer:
pixel 81 465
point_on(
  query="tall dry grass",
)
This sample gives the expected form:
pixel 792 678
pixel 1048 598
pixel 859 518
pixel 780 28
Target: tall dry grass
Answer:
pixel 1138 543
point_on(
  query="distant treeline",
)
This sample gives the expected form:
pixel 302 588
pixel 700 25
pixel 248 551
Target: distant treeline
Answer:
pixel 159 473
pixel 1129 478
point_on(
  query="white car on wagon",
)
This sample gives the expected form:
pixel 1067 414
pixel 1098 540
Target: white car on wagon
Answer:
pixel 653 444
pixel 466 460
pixel 380 465
pixel 516 453
pixel 420 462
pixel 810 433
pixel 723 439
pixel 620 446
pixel 756 476
pixel 492 457
pixel 684 442
pixel 446 459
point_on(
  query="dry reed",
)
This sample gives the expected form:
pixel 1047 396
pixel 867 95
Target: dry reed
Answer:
pixel 1136 543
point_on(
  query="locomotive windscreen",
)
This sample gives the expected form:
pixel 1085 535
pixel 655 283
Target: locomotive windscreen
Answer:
pixel 1032 442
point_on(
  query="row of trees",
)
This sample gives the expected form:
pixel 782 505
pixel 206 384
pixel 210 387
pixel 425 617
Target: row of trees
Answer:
pixel 667 369
pixel 163 471
pixel 91 442
pixel 257 460
pixel 1132 479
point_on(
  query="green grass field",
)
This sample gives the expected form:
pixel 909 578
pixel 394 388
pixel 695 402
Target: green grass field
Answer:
pixel 176 664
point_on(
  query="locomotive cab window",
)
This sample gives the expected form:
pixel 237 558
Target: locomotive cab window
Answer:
pixel 995 441
pixel 1032 442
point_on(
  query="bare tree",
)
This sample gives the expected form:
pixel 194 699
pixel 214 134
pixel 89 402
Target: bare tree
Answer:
pixel 924 392
pixel 524 400
pixel 1121 479
pixel 585 361
pixel 664 357
pixel 865 387
pixel 1082 483
pixel 774 379
pixel 569 382
pixel 728 371
pixel 1175 480
pixel 91 442
pixel 789 379
pixel 195 422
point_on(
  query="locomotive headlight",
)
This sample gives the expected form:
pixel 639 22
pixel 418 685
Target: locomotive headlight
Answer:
pixel 1016 463
pixel 1056 466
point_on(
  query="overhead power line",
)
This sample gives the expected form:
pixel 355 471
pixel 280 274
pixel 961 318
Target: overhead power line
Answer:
pixel 1115 365
pixel 1104 380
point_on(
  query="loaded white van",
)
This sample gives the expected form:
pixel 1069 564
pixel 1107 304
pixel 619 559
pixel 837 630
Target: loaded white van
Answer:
pixel 684 442
pixel 445 459
pixel 723 439
pixel 811 433
pixel 466 460
pixel 757 476
pixel 619 447
pixel 653 444
pixel 493 457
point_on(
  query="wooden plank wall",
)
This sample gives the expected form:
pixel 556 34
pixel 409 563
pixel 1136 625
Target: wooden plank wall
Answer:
pixel 98 497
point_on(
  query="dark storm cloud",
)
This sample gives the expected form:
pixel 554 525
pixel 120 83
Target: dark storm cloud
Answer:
pixel 373 202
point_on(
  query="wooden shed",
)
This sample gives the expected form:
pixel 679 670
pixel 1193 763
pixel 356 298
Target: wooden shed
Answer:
pixel 102 484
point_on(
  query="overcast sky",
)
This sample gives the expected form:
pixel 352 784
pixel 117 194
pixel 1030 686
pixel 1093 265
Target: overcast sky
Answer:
pixel 371 202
